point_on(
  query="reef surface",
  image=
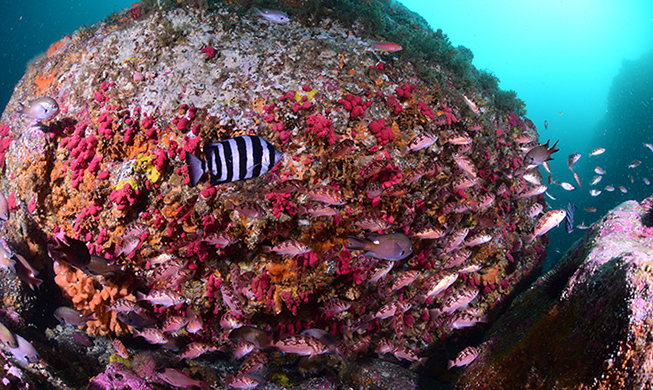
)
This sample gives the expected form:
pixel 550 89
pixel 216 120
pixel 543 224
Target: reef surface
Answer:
pixel 586 323
pixel 143 88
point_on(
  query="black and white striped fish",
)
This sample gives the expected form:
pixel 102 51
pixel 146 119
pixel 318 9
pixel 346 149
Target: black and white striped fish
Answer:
pixel 234 159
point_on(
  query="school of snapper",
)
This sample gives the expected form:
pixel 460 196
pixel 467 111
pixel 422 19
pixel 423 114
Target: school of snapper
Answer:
pixel 445 227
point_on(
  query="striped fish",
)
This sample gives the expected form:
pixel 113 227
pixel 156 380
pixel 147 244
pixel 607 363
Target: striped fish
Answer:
pixel 234 159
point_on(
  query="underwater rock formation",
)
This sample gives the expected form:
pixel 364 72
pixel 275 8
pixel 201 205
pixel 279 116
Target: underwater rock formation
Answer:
pixel 370 145
pixel 584 324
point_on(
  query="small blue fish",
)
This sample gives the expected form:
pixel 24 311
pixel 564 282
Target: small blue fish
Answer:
pixel 234 159
pixel 273 16
pixel 569 218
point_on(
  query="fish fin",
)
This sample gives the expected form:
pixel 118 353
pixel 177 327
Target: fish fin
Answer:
pixel 357 244
pixel 139 296
pixel 196 168
pixel 450 364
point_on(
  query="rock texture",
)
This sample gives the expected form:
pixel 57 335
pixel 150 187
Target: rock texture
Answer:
pixel 150 84
pixel 585 324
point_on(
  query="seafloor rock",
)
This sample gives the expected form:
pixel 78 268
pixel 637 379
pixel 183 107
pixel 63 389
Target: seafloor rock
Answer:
pixel 140 90
pixel 584 325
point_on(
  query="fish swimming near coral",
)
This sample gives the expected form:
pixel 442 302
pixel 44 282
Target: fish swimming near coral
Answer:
pixel 234 159
pixel 540 154
pixel 393 246
pixel 465 357
pixel 569 218
pixel 69 316
pixel 41 108
pixel 388 46
pixel 273 15
pixel 8 338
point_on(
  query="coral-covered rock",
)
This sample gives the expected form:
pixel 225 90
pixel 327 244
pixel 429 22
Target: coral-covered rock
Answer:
pixel 586 323
pixel 142 92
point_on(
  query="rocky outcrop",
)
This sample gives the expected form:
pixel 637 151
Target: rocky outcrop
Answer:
pixel 586 323
pixel 415 142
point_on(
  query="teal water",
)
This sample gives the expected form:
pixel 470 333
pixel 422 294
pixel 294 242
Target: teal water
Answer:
pixel 561 58
pixel 30 26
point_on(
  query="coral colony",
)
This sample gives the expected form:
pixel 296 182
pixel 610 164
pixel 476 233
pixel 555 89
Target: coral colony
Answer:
pixel 397 216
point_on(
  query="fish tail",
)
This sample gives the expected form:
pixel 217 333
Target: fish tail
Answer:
pixel 139 296
pixel 195 168
pixel 357 244
pixel 450 364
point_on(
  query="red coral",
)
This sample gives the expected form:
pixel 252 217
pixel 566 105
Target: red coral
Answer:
pixel 425 110
pixel 5 141
pixel 404 90
pixel 322 127
pixel 383 134
pixel 447 112
pixel 209 51
pixel 123 197
pixel 355 105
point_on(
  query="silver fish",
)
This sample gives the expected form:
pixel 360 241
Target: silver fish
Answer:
pixel 272 15
pixel 393 246
pixel 599 171
pixel 41 108
pixel 571 160
pixel 634 164
pixel 597 192
pixel 596 180
pixel 597 151
pixel 567 186
pixel 24 351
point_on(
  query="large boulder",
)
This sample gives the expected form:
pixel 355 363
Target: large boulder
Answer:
pixel 584 324
pixel 142 89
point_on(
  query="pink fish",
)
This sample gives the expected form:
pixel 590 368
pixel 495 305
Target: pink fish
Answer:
pixel 195 323
pixel 535 210
pixel 250 209
pixel 478 239
pixel 243 348
pixel 371 222
pixel 384 346
pixel 4 207
pixel 421 141
pixel 428 232
pixel 464 319
pixel 288 187
pixel 343 148
pixel 231 299
pixel 321 210
pixel 439 282
pixel 196 349
pixel 547 222
pixel 459 299
pixel 389 309
pixel 173 324
pixel 301 344
pixel 336 306
pixel 403 352
pixel 163 297
pixel 459 139
pixel 290 248
pixel 458 257
pixel 388 46
pixel 379 271
pixel 151 335
pixel 120 348
pixel 533 191
pixel 404 279
pixel 465 357
pixel 178 378
pixel 254 363
pixel 327 195
pixel 455 240
pixel 466 164
pixel 230 321
pixel 472 106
